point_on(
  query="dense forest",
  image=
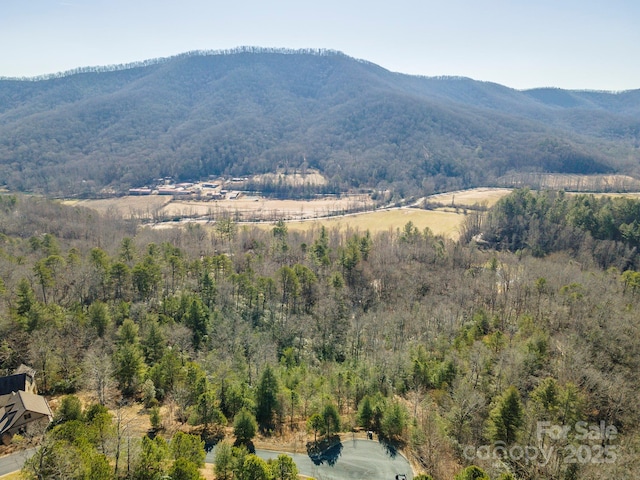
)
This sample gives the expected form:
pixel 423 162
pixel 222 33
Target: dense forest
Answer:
pixel 469 359
pixel 604 228
pixel 255 110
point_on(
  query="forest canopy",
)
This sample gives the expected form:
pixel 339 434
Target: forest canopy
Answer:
pixel 545 222
pixel 437 346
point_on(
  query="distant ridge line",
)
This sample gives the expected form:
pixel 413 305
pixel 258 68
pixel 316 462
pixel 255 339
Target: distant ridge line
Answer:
pixel 320 52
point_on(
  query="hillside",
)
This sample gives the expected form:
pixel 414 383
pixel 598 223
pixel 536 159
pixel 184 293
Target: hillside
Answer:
pixel 444 350
pixel 255 111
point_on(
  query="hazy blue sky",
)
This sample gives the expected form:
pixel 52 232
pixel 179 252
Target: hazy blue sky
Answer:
pixel 584 44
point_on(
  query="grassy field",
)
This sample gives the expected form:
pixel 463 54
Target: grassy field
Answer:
pixel 489 196
pixel 440 222
pixel 634 195
pixel 11 476
pixel 244 208
pixel 572 182
pixel 257 208
pixel 314 212
pixel 311 214
pixel 128 207
pixel 471 197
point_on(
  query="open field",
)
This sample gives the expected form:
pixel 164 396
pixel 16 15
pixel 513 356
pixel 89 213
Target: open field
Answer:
pixel 471 197
pixel 257 208
pixel 127 207
pixel 153 207
pixel 488 196
pixel 571 182
pixel 303 215
pixel 11 476
pixel 634 195
pixel 440 222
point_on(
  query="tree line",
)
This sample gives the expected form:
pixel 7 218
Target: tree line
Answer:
pixel 605 228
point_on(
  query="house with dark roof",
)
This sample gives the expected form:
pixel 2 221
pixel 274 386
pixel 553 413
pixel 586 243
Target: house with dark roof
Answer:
pixel 21 409
pixel 23 379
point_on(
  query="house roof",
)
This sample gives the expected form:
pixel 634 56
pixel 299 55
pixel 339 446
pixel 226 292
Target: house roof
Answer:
pixel 13 383
pixel 16 404
pixel 24 369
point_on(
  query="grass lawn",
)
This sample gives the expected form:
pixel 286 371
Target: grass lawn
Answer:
pixel 11 476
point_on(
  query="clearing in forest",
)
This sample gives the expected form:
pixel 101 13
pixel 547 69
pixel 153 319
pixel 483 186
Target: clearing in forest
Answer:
pixel 468 198
pixel 440 222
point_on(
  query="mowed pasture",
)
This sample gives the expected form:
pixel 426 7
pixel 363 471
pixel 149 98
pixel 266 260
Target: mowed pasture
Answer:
pixel 143 207
pixel 468 198
pixel 439 222
pixel 572 182
pixel 489 196
pixel 264 209
pixel 244 208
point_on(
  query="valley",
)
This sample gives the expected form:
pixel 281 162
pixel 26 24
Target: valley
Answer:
pixel 261 247
pixel 442 213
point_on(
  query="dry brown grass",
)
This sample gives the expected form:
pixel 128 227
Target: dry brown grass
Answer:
pixel 11 476
pixel 306 215
pixel 207 472
pixel 247 208
pixel 635 195
pixel 468 198
pixel 489 196
pixel 571 182
pixel 127 207
pixel 444 223
pixel 243 208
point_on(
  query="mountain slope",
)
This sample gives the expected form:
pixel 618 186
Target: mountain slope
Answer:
pixel 255 110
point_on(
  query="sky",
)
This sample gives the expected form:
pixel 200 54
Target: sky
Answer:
pixel 584 45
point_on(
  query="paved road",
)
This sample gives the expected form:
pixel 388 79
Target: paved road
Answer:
pixel 11 463
pixel 351 459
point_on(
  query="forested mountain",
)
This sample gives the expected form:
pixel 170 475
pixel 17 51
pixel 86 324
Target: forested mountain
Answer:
pixel 254 110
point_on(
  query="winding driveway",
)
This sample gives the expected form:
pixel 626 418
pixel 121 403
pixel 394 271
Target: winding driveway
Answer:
pixel 13 462
pixel 351 459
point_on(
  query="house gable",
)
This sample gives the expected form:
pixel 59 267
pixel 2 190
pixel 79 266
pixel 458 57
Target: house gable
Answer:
pixel 19 410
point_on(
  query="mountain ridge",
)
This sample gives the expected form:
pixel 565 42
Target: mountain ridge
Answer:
pixel 256 110
pixel 275 50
